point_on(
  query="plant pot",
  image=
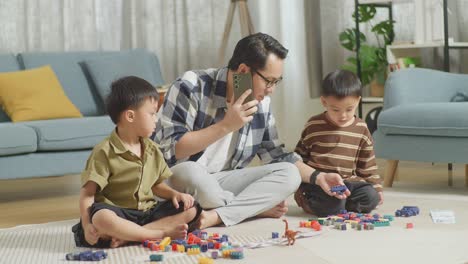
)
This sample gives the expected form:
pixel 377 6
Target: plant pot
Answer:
pixel 376 89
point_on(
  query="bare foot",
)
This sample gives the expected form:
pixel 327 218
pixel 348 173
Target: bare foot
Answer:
pixel 177 232
pixel 115 242
pixel 276 212
pixel 208 219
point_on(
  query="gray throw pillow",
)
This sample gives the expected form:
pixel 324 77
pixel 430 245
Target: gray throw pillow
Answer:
pixel 106 69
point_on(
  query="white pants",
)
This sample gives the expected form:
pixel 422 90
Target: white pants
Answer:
pixel 237 194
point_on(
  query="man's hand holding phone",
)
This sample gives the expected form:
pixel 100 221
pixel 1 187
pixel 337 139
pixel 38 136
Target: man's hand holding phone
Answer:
pixel 240 113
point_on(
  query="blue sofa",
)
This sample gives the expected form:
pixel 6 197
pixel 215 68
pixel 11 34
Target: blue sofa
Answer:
pixel 424 118
pixel 61 146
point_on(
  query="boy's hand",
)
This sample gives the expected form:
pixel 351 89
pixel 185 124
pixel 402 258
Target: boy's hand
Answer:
pixel 187 199
pixel 327 180
pixel 91 234
pixel 381 198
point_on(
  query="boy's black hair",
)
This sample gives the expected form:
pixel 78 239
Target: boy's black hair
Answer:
pixel 253 50
pixel 126 93
pixel 341 83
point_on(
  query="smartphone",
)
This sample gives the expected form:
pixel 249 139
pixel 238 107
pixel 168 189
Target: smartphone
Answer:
pixel 242 83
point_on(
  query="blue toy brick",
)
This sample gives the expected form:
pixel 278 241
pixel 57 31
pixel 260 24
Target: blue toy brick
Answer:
pixel 414 209
pixel 274 235
pixel 85 256
pixel 343 211
pixel 204 247
pixel 73 256
pixel 407 211
pixel 210 245
pixel 340 189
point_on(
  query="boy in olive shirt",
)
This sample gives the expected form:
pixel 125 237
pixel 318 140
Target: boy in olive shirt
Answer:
pixel 124 172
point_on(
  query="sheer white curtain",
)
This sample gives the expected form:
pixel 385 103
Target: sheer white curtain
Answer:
pixel 295 27
pixel 184 33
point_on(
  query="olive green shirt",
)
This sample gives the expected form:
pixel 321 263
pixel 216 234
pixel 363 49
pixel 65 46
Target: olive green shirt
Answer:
pixel 125 180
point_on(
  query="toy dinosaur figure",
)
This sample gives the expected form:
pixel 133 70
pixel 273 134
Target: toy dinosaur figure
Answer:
pixel 289 234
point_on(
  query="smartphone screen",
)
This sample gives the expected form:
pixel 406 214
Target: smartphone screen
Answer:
pixel 242 83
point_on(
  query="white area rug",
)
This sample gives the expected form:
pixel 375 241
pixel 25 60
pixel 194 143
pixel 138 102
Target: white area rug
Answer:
pixel 426 243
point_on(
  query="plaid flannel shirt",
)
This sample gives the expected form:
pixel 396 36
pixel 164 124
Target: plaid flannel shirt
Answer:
pixel 198 100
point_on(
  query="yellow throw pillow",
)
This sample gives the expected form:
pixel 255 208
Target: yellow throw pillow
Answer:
pixel 34 94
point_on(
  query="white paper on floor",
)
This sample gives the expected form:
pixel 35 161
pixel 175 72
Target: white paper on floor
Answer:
pixel 280 241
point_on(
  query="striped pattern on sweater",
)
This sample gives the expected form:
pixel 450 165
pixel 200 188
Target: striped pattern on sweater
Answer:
pixel 347 151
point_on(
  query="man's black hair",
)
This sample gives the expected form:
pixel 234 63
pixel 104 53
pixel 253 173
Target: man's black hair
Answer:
pixel 253 50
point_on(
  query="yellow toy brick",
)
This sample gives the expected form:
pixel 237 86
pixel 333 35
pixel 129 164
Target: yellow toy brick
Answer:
pixel 205 260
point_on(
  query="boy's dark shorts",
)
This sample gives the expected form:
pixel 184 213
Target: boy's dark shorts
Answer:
pixel 159 211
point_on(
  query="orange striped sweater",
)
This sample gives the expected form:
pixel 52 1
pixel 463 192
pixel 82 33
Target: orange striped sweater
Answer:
pixel 347 151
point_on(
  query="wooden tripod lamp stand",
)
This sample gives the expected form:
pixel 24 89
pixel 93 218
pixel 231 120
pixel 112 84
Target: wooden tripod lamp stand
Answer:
pixel 245 25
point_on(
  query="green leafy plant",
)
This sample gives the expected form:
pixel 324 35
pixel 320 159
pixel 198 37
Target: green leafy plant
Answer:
pixel 373 58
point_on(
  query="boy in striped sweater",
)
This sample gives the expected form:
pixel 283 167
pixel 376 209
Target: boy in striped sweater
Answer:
pixel 337 141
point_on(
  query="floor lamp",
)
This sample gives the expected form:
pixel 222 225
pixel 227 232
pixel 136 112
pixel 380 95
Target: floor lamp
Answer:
pixel 245 25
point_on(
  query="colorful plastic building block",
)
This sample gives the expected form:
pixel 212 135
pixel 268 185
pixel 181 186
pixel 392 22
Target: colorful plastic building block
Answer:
pixel 274 235
pixel 409 225
pixel 87 255
pixel 237 254
pixel 407 211
pixel 204 247
pixel 156 257
pixel 205 260
pixel 193 251
pixel 339 189
pixel 214 254
pixel 389 217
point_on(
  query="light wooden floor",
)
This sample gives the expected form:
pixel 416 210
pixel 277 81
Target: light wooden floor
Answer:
pixel 41 200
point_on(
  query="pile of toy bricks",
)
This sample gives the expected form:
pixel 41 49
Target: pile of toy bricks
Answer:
pixel 87 255
pixel 196 243
pixel 347 220
pixel 312 223
pixel 407 211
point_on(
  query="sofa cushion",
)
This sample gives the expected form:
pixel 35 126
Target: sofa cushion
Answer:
pixel 74 78
pixel 8 63
pixel 426 119
pixel 34 94
pixel 71 134
pixel 17 139
pixel 106 69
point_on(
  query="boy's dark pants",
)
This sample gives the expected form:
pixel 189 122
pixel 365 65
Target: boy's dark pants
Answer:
pixel 160 210
pixel 363 199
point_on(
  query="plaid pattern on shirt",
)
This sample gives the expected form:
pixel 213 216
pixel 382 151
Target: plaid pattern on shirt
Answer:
pixel 198 100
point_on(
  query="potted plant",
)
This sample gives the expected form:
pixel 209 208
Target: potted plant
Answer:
pixel 373 58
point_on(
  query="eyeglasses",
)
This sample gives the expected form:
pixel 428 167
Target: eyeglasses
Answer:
pixel 268 82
